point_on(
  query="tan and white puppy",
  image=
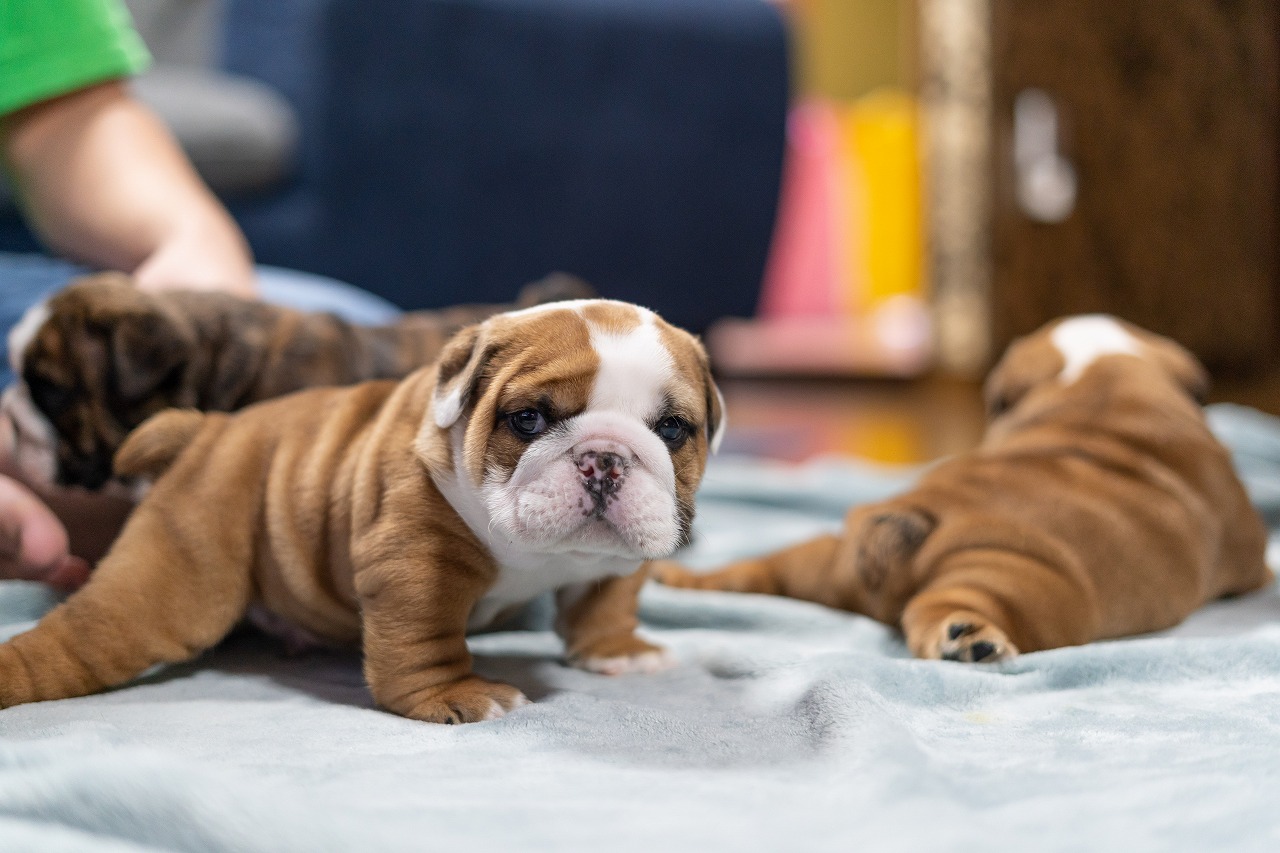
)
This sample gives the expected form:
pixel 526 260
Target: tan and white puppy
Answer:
pixel 555 448
pixel 99 357
pixel 1098 505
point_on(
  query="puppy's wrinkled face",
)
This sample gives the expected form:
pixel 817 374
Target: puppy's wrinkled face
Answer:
pixel 578 427
pixel 93 362
pixel 1064 352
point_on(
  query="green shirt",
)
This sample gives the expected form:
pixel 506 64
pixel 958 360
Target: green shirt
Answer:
pixel 51 47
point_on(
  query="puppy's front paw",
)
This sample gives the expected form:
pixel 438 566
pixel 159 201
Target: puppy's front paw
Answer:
pixel 469 700
pixel 968 638
pixel 620 656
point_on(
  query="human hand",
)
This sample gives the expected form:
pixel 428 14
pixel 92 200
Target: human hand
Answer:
pixel 47 533
pixel 200 255
pixel 33 542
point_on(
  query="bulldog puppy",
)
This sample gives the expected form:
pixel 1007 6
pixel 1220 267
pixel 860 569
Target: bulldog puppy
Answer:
pixel 99 357
pixel 1098 505
pixel 555 448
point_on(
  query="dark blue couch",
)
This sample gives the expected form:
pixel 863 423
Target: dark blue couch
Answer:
pixel 454 149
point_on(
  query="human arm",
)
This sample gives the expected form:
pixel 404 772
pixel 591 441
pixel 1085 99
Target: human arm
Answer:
pixel 104 182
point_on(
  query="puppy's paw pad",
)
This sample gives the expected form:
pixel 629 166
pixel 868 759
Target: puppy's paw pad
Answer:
pixel 471 700
pixel 970 640
pixel 644 663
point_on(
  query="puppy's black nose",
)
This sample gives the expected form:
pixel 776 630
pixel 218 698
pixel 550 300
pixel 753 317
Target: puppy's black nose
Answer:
pixel 601 466
pixel 90 471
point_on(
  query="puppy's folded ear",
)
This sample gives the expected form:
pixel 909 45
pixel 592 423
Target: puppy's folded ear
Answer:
pixel 148 349
pixel 716 418
pixel 1180 364
pixel 1027 362
pixel 460 367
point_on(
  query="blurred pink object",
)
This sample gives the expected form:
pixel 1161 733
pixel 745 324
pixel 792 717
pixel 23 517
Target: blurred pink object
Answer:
pixel 800 277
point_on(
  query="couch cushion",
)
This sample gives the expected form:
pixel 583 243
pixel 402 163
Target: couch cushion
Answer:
pixel 240 134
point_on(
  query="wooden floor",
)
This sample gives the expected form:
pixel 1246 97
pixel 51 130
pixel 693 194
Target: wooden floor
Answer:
pixel 890 421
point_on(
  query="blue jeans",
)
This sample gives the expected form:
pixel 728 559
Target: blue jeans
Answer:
pixel 26 279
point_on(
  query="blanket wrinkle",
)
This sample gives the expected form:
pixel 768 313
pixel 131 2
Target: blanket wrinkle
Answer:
pixel 786 725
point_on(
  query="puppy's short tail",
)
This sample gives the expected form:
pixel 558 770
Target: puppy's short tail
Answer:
pixel 151 448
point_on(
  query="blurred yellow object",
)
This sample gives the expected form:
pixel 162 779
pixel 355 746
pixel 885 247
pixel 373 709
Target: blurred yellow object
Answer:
pixel 881 155
pixel 887 438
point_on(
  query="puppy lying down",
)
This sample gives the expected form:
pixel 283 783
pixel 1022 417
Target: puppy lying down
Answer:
pixel 554 448
pixel 99 357
pixel 1098 505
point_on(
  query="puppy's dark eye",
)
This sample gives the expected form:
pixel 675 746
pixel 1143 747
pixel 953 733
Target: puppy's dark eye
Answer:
pixel 672 430
pixel 527 423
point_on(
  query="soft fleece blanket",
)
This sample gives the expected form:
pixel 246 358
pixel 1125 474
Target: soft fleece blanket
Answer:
pixel 787 726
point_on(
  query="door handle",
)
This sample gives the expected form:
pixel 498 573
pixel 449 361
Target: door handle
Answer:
pixel 1046 180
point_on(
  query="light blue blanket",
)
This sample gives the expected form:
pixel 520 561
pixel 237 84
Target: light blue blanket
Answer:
pixel 786 727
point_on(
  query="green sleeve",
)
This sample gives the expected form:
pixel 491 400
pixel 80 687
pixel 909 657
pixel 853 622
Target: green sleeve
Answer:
pixel 51 47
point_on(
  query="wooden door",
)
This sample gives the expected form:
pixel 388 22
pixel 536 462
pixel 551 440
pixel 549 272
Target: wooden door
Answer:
pixel 1161 205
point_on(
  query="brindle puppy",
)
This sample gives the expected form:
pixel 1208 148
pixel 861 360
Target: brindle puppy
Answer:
pixel 100 357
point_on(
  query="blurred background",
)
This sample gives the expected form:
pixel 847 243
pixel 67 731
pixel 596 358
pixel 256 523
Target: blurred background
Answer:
pixel 858 202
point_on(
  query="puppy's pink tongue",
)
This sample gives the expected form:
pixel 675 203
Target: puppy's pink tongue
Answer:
pixel 33 543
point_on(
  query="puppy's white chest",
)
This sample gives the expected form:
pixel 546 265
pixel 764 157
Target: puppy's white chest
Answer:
pixel 522 578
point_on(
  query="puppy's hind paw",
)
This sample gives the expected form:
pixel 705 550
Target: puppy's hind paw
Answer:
pixel 967 638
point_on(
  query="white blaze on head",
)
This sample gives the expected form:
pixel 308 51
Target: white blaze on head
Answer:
pixel 1083 340
pixel 21 335
pixel 635 370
